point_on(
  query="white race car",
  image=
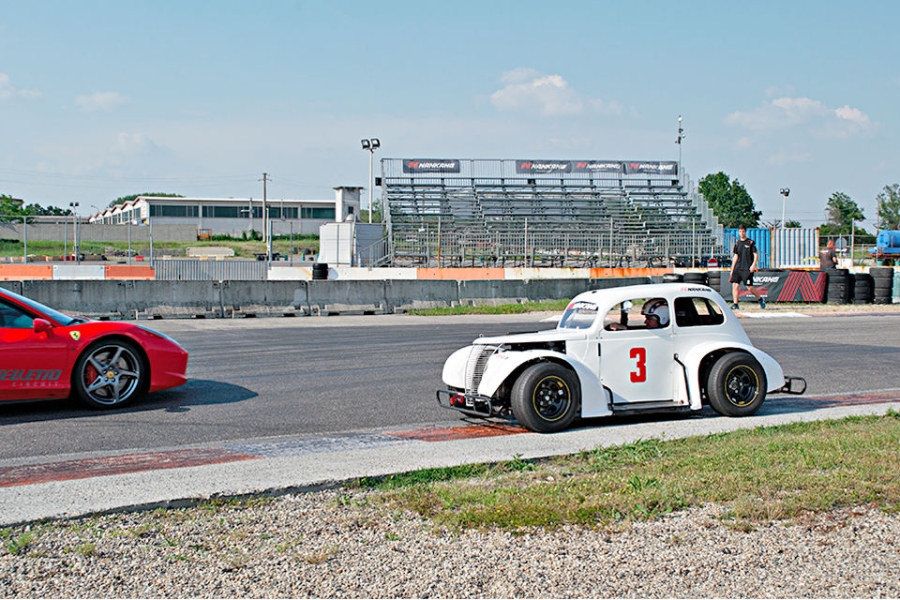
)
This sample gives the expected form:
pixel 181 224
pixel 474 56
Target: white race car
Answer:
pixel 669 347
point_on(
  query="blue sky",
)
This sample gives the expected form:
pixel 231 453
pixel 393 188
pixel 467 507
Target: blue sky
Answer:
pixel 101 99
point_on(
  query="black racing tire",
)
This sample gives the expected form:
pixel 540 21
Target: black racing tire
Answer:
pixel 110 374
pixel 701 278
pixel 546 397
pixel 882 272
pixel 736 385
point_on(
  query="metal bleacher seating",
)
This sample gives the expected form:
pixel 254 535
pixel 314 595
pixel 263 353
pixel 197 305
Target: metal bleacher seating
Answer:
pixel 483 212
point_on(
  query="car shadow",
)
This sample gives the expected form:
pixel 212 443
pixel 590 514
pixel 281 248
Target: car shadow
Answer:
pixel 196 392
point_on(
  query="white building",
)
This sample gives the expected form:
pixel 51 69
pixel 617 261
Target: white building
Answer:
pixel 236 216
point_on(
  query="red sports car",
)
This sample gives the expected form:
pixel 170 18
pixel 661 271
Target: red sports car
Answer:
pixel 46 354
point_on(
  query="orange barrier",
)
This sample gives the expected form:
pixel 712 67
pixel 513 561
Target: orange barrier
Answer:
pixel 20 272
pixel 601 273
pixel 130 272
pixel 462 273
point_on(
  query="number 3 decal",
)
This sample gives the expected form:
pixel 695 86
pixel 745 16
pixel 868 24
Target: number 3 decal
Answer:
pixel 640 374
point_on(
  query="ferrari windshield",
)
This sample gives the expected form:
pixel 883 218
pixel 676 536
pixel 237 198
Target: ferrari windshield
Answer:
pixel 42 310
pixel 579 315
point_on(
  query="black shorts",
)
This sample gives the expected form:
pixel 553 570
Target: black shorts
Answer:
pixel 744 276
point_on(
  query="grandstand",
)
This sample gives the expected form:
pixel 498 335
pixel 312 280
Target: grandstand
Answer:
pixel 492 212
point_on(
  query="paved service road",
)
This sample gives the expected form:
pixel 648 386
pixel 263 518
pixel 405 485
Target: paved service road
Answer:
pixel 257 378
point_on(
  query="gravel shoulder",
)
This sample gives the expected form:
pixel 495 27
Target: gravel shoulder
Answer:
pixel 340 544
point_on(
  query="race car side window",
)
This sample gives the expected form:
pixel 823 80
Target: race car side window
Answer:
pixel 694 312
pixel 14 318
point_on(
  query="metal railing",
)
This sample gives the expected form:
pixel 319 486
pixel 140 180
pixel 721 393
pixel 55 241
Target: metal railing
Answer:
pixel 431 247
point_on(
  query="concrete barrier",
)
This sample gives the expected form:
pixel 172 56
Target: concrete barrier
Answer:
pixel 147 299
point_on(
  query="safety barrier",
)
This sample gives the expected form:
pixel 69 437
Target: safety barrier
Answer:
pixel 201 299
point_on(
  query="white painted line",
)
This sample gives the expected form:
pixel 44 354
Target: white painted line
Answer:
pixel 773 315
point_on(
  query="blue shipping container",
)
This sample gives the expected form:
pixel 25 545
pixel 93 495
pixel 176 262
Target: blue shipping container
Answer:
pixel 763 239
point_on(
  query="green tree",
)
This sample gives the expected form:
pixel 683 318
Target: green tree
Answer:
pixel 377 214
pixel 889 207
pixel 48 211
pixel 729 201
pixel 9 209
pixel 842 211
pixel 13 210
pixel 792 224
pixel 125 199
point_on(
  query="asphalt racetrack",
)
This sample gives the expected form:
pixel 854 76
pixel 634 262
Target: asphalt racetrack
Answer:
pixel 264 378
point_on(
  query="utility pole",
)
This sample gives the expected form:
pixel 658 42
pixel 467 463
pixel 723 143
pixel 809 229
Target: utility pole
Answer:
pixel 265 209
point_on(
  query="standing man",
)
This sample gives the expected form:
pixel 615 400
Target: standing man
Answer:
pixel 828 257
pixel 743 265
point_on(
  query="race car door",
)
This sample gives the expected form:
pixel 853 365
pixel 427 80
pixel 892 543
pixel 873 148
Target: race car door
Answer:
pixel 637 365
pixel 32 363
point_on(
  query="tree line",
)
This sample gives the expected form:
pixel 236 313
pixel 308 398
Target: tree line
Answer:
pixel 733 206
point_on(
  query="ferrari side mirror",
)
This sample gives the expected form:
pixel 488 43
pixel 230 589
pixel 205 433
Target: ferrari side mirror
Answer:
pixel 42 325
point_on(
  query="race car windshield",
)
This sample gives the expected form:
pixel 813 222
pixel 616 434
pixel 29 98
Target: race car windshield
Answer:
pixel 579 315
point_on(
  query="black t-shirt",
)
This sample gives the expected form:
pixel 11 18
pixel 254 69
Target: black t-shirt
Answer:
pixel 744 249
pixel 827 258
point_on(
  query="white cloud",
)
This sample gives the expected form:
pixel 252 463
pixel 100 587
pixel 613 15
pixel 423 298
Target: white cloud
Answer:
pixel 551 95
pixel 852 114
pixel 785 112
pixel 7 90
pixel 100 101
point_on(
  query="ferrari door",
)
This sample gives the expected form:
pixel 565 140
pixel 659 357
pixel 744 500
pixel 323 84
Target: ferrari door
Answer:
pixel 33 364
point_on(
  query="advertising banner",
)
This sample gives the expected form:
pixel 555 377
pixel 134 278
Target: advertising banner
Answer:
pixel 652 167
pixel 781 286
pixel 431 166
pixel 599 166
pixel 537 167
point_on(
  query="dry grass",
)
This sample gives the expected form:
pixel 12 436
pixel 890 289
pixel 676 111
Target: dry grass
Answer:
pixel 761 475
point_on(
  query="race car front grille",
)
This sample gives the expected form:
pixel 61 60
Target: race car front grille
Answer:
pixel 478 358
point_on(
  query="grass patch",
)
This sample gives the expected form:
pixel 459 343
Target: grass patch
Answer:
pixel 501 309
pixel 760 475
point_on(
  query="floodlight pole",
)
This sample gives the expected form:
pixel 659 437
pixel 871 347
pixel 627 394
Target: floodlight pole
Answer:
pixel 73 206
pixel 784 192
pixel 371 144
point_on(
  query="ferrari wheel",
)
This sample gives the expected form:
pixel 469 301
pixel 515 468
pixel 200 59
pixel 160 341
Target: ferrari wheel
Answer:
pixel 546 398
pixel 736 385
pixel 109 374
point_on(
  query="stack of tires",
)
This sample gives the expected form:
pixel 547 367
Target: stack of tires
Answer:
pixel 882 284
pixel 715 280
pixel 320 271
pixel 840 286
pixel 862 288
pixel 700 278
pixel 673 278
